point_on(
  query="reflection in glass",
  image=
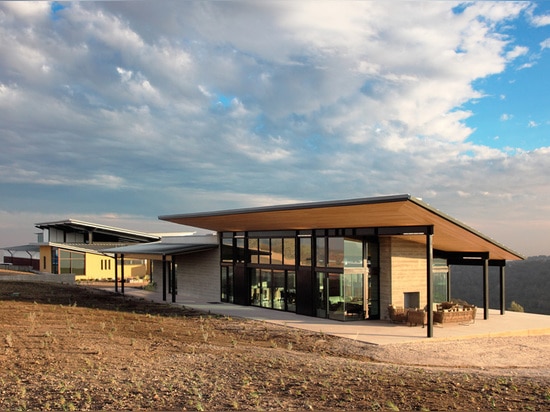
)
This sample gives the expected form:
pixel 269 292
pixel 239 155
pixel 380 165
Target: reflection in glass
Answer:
pixel 321 252
pixel 321 301
pixel 255 287
pixel 253 250
pixel 291 291
pixel 289 251
pixel 279 289
pixel 305 251
pixel 227 250
pixel 265 251
pixel 276 251
pixel 353 253
pixel 336 252
pixel 266 301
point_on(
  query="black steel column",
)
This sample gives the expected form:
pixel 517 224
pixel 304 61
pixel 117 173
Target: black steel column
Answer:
pixel 164 278
pixel 429 280
pixel 173 274
pixel 449 283
pixel 485 288
pixel 122 273
pixel 116 273
pixel 502 289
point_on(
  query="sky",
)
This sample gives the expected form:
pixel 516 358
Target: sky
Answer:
pixel 118 112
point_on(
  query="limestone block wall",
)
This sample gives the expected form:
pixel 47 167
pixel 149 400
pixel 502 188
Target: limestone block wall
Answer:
pixel 402 270
pixel 197 276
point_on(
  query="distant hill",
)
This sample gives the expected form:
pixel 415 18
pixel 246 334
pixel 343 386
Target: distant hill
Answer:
pixel 527 283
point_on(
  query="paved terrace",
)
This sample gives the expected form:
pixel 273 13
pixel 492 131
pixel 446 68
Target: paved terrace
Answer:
pixel 378 332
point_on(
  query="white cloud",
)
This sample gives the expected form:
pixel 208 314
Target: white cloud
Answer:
pixel 545 44
pixel 203 104
pixel 532 123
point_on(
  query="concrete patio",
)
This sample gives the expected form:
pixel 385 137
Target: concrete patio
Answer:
pixel 378 332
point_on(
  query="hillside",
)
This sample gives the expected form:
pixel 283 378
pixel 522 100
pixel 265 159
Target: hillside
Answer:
pixel 527 283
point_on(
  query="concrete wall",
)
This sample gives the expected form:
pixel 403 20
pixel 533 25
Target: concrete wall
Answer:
pixel 402 270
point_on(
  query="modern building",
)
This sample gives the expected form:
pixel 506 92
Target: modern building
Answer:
pixel 75 247
pixel 342 260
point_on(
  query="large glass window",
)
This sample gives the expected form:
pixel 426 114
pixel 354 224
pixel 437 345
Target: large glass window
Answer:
pixel 278 289
pixel 335 252
pixel 253 250
pixel 265 251
pixel 255 287
pixel 71 262
pixel 267 292
pixel 276 251
pixel 290 293
pixel 305 251
pixel 227 250
pixel 321 252
pixel 289 251
pixel 353 253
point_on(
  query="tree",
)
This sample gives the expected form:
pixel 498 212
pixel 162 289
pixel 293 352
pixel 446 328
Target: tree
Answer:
pixel 515 307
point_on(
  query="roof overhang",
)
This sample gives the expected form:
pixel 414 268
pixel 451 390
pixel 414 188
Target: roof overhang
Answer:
pixel 400 211
pixel 79 226
pixel 159 249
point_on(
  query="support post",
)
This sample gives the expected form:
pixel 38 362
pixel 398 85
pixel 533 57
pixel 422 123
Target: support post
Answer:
pixel 449 283
pixel 429 280
pixel 122 273
pixel 502 289
pixel 485 288
pixel 164 278
pixel 173 274
pixel 116 273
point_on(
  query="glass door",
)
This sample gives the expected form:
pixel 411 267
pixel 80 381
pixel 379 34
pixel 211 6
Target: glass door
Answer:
pixel 321 303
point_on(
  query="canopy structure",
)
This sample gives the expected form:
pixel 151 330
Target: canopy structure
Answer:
pixel 165 251
pixel 383 213
pixel 94 232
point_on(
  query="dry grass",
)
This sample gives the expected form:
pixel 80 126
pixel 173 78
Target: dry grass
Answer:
pixel 73 348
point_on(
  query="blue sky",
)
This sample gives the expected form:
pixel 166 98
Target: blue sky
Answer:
pixel 117 112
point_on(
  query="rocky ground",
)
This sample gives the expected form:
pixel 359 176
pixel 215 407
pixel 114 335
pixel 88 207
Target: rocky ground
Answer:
pixel 77 348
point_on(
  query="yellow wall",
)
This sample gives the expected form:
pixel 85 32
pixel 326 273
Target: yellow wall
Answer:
pixel 46 252
pixel 103 267
pixel 97 266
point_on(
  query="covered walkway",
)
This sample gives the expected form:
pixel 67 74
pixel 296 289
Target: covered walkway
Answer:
pixel 378 332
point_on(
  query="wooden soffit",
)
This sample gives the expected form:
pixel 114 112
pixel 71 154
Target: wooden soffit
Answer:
pixel 450 235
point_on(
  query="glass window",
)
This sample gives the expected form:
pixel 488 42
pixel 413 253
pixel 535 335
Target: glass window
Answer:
pixel 227 250
pixel 265 252
pixel 279 289
pixel 289 251
pixel 239 242
pixel 336 252
pixel 253 250
pixel 291 291
pixel 266 282
pixel 353 253
pixel 321 252
pixel 255 287
pixel 305 251
pixel 276 251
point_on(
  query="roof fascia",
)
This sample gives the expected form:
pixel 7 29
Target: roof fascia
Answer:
pixel 464 226
pixel 293 206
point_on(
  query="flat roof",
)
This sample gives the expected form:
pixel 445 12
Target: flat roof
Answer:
pixel 450 235
pixel 159 249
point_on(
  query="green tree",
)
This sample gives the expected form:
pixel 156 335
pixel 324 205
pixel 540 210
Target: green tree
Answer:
pixel 515 307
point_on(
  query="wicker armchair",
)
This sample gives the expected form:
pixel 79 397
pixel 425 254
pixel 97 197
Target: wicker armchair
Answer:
pixel 397 314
